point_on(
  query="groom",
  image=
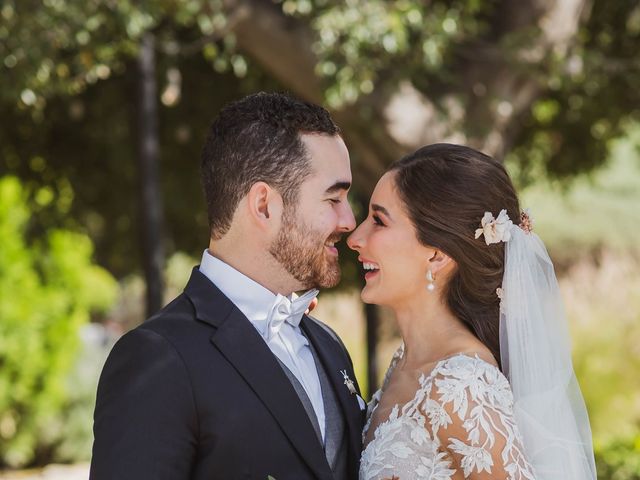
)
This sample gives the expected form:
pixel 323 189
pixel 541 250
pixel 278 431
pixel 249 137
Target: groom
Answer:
pixel 232 380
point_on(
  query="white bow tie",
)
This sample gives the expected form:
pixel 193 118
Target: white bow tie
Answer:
pixel 285 310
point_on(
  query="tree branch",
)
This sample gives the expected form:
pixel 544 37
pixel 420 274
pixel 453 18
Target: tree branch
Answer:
pixel 480 109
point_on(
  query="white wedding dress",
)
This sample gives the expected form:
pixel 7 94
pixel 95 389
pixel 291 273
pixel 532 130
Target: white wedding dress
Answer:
pixel 458 425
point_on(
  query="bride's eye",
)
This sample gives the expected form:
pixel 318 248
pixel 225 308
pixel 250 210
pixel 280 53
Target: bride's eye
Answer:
pixel 377 221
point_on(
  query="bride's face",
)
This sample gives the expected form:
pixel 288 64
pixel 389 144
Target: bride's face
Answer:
pixel 395 262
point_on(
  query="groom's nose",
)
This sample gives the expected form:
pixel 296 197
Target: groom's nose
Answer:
pixel 346 220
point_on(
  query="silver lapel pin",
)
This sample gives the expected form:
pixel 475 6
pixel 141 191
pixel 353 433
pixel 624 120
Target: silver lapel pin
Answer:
pixel 348 382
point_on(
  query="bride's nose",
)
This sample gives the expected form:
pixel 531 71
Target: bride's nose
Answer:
pixel 355 241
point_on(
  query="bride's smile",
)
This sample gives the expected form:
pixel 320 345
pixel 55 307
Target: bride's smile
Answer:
pixel 393 260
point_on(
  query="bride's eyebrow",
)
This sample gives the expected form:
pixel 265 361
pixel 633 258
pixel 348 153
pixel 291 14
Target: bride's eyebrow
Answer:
pixel 379 208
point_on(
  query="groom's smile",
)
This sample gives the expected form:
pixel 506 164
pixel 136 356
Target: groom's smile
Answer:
pixel 330 246
pixel 311 227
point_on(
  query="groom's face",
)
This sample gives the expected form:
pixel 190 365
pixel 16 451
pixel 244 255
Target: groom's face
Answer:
pixel 305 244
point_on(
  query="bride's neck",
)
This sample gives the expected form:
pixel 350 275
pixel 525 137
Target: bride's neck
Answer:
pixel 429 330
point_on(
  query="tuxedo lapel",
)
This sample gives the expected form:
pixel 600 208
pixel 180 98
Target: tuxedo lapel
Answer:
pixel 334 361
pixel 243 347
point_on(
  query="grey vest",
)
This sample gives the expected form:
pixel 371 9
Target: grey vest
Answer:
pixel 335 443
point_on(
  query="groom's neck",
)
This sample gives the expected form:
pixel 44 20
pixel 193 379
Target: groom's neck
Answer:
pixel 256 263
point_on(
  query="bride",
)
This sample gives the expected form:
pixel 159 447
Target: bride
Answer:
pixel 482 386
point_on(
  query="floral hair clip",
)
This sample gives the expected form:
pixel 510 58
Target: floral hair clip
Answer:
pixel 495 230
pixel 526 221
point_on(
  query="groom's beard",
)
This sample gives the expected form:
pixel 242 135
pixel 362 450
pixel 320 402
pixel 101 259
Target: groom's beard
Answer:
pixel 301 251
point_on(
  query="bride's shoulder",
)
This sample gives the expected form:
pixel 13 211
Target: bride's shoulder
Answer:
pixel 465 381
pixel 469 368
pixel 478 362
pixel 469 408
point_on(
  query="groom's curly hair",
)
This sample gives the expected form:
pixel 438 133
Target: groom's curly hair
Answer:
pixel 446 189
pixel 258 138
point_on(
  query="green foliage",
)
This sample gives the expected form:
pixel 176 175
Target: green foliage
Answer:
pixel 49 289
pixel 363 44
pixel 619 460
pixel 69 130
pixel 66 72
pixel 592 212
pixel 70 432
pixel 63 46
pixel 588 99
pixel 92 172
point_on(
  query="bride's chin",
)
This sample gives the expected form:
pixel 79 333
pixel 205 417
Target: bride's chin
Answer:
pixel 363 296
pixel 367 297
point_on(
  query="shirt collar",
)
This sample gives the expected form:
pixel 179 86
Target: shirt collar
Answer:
pixel 251 298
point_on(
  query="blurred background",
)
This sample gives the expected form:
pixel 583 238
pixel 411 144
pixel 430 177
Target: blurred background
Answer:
pixel 104 105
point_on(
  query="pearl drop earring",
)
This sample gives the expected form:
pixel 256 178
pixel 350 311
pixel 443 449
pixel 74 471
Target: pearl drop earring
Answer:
pixel 431 285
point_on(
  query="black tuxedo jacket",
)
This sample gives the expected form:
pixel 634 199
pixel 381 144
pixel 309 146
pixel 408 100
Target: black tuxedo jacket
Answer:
pixel 195 393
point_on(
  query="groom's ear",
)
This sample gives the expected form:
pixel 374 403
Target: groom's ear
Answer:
pixel 265 206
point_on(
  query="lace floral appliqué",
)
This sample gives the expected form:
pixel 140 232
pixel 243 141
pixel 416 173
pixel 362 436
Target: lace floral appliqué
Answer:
pixel 460 419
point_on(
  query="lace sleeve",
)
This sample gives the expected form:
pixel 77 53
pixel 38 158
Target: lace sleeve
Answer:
pixel 470 410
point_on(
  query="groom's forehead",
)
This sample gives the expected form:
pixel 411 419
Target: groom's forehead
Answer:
pixel 325 148
pixel 329 162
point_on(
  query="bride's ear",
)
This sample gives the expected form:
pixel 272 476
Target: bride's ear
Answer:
pixel 440 262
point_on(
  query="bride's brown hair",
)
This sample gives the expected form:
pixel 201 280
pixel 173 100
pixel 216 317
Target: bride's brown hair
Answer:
pixel 446 190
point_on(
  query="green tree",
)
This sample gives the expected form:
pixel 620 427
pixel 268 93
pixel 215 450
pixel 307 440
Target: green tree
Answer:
pixel 49 289
pixel 546 83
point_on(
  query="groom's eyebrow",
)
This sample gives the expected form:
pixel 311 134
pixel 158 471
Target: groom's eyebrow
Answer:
pixel 337 187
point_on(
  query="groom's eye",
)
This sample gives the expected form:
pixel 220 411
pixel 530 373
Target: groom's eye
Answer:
pixel 335 201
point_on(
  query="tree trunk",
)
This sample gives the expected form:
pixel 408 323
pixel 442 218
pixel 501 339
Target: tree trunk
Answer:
pixel 151 212
pixel 372 319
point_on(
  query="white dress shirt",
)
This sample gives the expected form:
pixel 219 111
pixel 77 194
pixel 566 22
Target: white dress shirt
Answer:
pixel 289 344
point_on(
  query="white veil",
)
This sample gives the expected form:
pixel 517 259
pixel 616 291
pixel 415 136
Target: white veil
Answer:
pixel 536 358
